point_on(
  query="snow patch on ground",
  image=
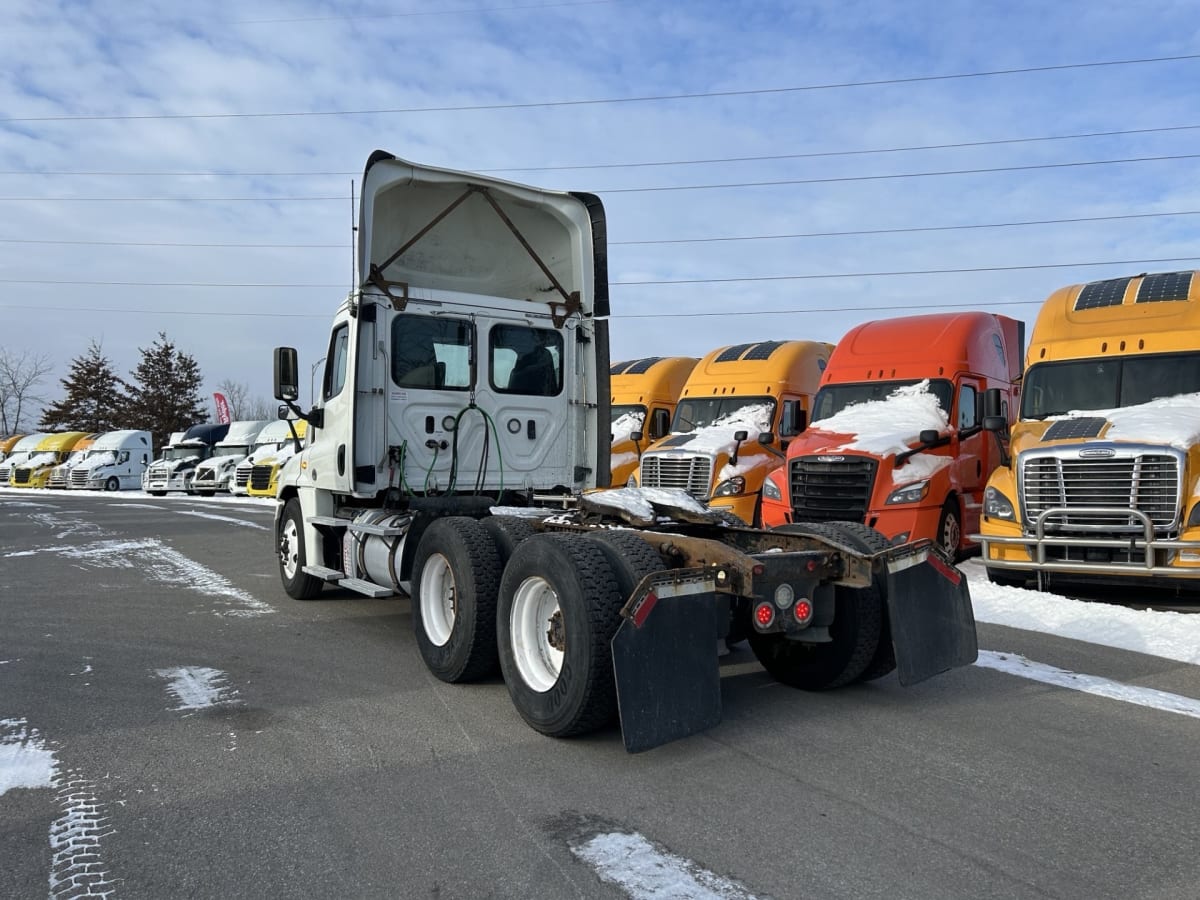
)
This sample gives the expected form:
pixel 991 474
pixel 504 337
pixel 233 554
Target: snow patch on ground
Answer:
pixel 198 687
pixel 645 872
pixel 1170 635
pixel 25 762
pixel 216 518
pixel 1088 684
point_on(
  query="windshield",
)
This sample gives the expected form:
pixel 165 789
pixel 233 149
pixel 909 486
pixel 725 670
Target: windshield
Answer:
pixel 751 412
pixel 626 419
pixel 232 450
pixel 181 452
pixel 1052 389
pixel 833 398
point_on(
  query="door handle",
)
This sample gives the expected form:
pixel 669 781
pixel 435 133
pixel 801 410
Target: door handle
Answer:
pixel 341 459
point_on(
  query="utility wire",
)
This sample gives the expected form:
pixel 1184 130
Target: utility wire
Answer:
pixel 656 242
pixel 651 98
pixel 643 283
pixel 658 188
pixel 406 15
pixel 779 157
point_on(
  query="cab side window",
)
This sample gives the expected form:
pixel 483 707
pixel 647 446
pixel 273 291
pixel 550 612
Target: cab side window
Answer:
pixel 335 368
pixel 968 407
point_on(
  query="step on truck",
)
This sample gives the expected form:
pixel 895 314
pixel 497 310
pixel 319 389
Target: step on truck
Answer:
pixel 175 468
pixel 115 462
pixel 1103 480
pixel 218 471
pixel 896 438
pixel 457 453
pixel 643 395
pixel 738 411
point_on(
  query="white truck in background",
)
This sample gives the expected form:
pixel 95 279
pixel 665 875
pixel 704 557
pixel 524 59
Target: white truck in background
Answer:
pixel 273 437
pixel 174 469
pixel 21 453
pixel 115 462
pixel 217 472
pixel 454 452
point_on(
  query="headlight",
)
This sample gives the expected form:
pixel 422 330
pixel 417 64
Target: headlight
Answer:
pixel 771 490
pixel 997 506
pixel 1194 516
pixel 910 493
pixel 731 487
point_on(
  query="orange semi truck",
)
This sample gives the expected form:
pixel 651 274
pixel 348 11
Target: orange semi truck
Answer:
pixel 896 435
pixel 1104 481
pixel 644 393
pixel 741 406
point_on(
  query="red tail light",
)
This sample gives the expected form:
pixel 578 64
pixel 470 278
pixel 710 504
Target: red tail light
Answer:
pixel 764 615
pixel 803 611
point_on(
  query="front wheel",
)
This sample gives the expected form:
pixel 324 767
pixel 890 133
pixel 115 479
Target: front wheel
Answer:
pixel 292 557
pixel 113 483
pixel 949 532
pixel 559 609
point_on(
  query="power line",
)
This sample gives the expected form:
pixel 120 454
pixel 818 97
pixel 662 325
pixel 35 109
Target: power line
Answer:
pixel 643 283
pixel 779 157
pixel 990 170
pixel 652 98
pixel 656 242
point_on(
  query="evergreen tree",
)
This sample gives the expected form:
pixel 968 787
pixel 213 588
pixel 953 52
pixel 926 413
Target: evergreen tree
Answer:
pixel 95 399
pixel 165 393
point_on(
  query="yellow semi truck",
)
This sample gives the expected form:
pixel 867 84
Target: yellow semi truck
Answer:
pixel 50 452
pixel 644 393
pixel 739 409
pixel 1102 480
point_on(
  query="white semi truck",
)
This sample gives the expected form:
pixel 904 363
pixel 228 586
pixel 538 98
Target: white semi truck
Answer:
pixel 217 472
pixel 175 468
pixel 454 454
pixel 115 462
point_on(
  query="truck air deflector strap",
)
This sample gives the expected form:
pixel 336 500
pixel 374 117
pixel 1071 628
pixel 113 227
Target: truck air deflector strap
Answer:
pixel 668 679
pixel 932 622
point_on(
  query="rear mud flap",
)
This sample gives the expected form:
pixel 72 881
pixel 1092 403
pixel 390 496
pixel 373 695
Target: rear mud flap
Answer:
pixel 667 673
pixel 933 624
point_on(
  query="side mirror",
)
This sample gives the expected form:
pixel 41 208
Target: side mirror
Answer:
pixel 282 412
pixel 994 423
pixel 740 436
pixel 287 375
pixel 993 404
pixel 929 436
pixel 766 437
pixel 636 436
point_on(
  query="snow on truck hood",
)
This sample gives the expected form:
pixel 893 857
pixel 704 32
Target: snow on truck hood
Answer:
pixel 1174 421
pixel 400 199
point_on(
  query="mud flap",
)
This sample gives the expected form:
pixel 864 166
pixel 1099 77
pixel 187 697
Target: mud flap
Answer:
pixel 666 669
pixel 933 624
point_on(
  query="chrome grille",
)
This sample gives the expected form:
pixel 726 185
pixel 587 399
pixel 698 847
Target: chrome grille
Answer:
pixel 831 490
pixel 58 477
pixel 79 477
pixel 5 472
pixel 205 476
pixel 260 477
pixel 241 476
pixel 691 473
pixel 1146 482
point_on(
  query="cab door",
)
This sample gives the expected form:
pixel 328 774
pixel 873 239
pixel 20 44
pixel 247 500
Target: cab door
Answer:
pixel 971 462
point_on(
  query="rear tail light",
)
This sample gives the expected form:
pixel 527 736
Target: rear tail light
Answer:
pixel 803 611
pixel 764 615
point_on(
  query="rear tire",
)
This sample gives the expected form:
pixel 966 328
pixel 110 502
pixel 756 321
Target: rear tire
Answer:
pixel 869 540
pixel 857 630
pixel 507 532
pixel 559 609
pixel 455 577
pixel 292 555
pixel 630 556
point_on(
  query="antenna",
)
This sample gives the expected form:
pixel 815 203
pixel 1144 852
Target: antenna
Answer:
pixel 353 243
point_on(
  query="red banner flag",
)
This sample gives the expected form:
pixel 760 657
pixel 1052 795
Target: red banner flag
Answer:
pixel 222 409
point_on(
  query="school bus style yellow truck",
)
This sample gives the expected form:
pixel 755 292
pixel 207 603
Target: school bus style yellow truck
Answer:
pixel 741 406
pixel 455 451
pixel 1103 480
pixel 644 393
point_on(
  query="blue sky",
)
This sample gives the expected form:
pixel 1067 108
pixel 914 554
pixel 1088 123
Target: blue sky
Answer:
pixel 197 77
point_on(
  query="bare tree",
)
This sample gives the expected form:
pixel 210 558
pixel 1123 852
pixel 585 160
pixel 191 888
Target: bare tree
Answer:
pixel 242 406
pixel 261 408
pixel 21 371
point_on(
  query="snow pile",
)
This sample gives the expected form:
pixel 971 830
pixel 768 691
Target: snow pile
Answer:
pixel 625 424
pixel 99 458
pixel 891 425
pixel 752 419
pixel 1174 421
pixel 40 459
pixel 643 871
pixel 25 761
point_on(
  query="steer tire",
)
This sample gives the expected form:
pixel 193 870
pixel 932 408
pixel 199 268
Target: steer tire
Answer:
pixel 455 577
pixel 292 555
pixel 559 608
pixel 949 529
pixel 112 484
pixel 507 532
pixel 857 631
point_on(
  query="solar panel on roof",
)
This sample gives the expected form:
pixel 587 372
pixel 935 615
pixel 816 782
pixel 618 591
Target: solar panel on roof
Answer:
pixel 1102 293
pixel 1164 286
pixel 763 350
pixel 620 367
pixel 640 366
pixel 729 354
pixel 1083 427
